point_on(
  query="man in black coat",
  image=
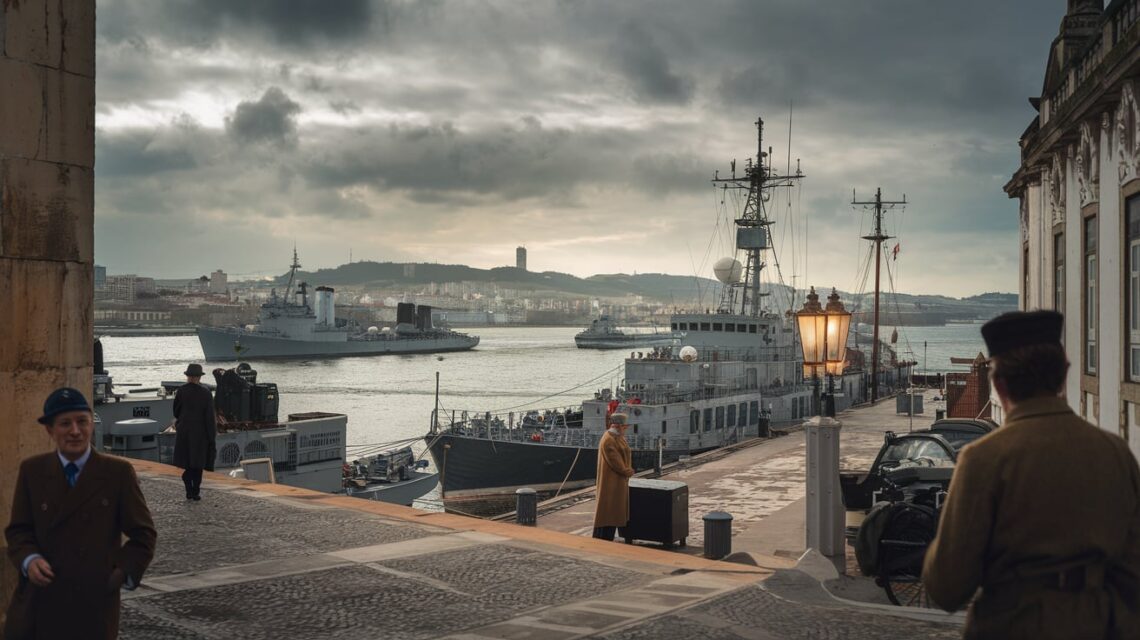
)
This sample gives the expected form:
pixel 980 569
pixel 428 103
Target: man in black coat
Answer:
pixel 195 421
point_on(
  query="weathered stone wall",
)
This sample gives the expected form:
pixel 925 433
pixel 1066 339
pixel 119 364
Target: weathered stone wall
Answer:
pixel 47 156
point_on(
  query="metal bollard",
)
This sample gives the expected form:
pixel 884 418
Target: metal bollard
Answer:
pixel 526 508
pixel 718 535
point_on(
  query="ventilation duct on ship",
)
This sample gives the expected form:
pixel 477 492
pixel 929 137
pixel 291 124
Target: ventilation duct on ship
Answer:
pixel 405 313
pixel 423 317
pixel 326 309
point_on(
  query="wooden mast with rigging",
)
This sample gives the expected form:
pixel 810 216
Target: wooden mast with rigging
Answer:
pixel 877 237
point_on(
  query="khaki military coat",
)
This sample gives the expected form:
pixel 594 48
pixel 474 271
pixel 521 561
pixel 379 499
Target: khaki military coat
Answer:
pixel 79 530
pixel 615 466
pixel 1043 492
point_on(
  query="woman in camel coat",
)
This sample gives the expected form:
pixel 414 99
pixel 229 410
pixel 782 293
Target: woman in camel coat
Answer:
pixel 615 466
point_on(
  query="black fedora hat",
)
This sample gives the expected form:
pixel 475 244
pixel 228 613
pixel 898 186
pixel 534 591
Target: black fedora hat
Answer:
pixel 61 401
pixel 1021 329
pixel 194 370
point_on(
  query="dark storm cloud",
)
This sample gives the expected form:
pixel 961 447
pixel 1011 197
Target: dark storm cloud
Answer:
pixel 511 162
pixel 271 119
pixel 136 153
pixel 290 23
pixel 646 65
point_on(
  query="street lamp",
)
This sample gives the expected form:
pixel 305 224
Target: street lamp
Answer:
pixel 823 337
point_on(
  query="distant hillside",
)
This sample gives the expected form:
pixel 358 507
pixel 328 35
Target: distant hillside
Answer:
pixel 680 290
pixel 391 274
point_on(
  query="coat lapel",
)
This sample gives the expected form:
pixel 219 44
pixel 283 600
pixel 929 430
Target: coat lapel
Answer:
pixel 90 480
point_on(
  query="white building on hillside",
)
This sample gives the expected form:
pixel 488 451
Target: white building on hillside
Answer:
pixel 1079 192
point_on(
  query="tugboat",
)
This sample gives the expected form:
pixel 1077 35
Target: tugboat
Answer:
pixel 289 327
pixel 739 370
pixel 604 333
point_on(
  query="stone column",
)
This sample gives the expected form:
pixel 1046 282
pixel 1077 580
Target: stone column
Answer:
pixel 47 156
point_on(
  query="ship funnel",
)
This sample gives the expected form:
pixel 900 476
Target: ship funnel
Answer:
pixel 326 309
pixel 423 317
pixel 405 313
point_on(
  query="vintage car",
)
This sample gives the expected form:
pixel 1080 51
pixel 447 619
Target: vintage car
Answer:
pixel 925 456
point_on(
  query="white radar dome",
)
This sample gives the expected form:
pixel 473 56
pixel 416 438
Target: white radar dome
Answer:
pixel 728 270
pixel 373 329
pixel 386 330
pixel 689 354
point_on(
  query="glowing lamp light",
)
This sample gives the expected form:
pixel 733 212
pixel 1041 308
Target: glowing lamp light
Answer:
pixel 823 335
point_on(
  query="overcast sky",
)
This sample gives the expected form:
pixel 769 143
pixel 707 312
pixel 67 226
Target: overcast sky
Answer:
pixel 440 131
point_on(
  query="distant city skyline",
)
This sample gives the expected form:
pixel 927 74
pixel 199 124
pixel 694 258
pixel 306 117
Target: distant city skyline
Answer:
pixel 455 132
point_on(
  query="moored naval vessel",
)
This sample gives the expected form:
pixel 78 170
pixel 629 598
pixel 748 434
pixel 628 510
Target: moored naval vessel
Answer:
pixel 306 450
pixel 289 327
pixel 737 372
pixel 603 333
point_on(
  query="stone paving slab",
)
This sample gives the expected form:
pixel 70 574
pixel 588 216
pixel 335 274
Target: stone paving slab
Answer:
pixel 235 527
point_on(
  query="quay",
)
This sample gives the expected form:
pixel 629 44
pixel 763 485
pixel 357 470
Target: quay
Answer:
pixel 762 485
pixel 270 561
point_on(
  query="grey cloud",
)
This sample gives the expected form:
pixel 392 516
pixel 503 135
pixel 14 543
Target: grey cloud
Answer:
pixel 646 65
pixel 271 119
pixel 292 23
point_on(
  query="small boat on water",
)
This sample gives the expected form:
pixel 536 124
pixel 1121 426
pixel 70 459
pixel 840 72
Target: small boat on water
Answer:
pixel 603 333
pixel 393 475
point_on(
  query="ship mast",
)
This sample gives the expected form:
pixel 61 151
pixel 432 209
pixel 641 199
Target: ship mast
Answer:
pixel 877 237
pixel 292 274
pixel 752 226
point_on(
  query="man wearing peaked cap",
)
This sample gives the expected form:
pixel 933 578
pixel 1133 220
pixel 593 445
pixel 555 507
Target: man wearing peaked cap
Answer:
pixel 1042 514
pixel 70 510
pixel 615 466
pixel 196 423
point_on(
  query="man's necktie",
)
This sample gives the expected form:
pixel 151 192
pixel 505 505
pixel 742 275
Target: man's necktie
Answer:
pixel 72 471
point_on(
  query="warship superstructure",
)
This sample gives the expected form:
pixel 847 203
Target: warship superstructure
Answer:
pixel 737 371
pixel 604 333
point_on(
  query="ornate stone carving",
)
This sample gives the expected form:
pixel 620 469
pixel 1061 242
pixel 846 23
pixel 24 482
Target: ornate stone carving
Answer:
pixel 1087 164
pixel 1127 141
pixel 1056 189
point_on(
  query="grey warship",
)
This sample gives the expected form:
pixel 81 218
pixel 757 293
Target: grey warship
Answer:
pixel 737 371
pixel 289 327
pixel 603 333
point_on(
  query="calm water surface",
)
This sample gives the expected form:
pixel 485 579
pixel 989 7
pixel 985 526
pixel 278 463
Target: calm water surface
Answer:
pixel 390 398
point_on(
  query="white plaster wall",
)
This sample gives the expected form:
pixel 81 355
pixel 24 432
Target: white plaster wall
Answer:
pixel 1033 291
pixel 1110 360
pixel 1133 429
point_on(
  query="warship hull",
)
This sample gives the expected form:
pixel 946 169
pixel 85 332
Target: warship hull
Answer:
pixel 222 345
pixel 480 476
pixel 626 341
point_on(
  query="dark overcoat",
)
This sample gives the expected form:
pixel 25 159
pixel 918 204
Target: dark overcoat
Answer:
pixel 196 423
pixel 78 530
pixel 1042 495
pixel 615 466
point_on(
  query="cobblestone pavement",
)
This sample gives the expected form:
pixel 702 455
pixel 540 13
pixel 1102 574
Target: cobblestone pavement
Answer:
pixel 262 563
pixel 753 612
pixel 228 528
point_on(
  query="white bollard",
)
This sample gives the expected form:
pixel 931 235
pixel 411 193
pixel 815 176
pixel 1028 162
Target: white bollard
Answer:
pixel 825 518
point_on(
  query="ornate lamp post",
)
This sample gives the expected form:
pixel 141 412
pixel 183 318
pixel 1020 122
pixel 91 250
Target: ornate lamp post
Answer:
pixel 823 337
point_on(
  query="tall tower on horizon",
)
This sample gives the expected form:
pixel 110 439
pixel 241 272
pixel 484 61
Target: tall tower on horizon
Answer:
pixel 520 258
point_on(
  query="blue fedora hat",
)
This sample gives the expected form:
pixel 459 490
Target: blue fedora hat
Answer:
pixel 61 401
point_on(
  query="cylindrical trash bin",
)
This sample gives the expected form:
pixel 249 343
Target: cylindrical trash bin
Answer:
pixel 939 414
pixel 526 507
pixel 718 535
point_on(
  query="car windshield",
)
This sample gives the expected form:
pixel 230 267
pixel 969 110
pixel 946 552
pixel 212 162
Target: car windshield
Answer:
pixel 913 448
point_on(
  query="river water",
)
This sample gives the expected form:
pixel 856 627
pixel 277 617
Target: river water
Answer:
pixel 390 398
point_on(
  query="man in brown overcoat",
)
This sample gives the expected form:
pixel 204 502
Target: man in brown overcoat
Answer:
pixel 70 511
pixel 615 466
pixel 196 423
pixel 1044 513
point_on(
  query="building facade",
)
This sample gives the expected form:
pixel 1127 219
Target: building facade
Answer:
pixel 1079 192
